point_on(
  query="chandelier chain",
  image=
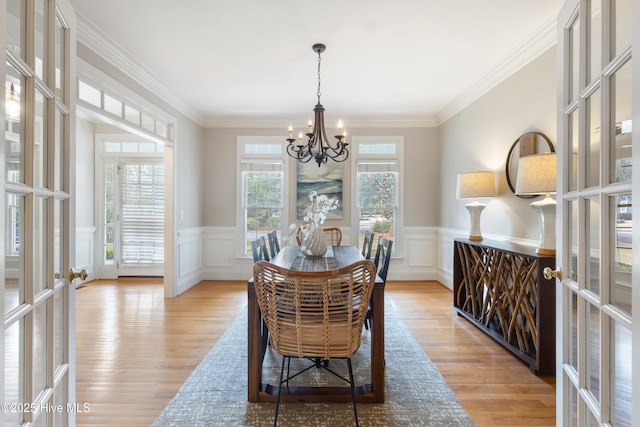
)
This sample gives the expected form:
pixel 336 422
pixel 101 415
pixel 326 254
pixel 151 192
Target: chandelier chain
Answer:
pixel 319 61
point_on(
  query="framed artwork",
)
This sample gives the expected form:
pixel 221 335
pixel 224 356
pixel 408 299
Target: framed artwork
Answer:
pixel 326 179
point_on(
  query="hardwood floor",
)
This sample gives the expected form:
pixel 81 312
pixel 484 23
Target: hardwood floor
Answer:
pixel 135 349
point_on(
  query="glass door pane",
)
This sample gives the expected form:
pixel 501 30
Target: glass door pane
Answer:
pixel 621 289
pixel 620 397
pixel 15 26
pixel 621 165
pixel 594 139
pixel 14 283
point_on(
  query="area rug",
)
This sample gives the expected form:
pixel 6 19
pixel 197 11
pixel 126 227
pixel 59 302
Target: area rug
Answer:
pixel 216 392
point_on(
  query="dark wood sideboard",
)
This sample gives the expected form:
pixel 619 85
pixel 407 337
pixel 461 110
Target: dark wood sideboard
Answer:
pixel 499 287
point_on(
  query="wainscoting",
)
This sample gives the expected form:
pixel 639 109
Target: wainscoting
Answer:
pixel 213 253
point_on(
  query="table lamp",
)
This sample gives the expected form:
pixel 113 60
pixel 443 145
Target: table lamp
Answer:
pixel 536 176
pixel 473 185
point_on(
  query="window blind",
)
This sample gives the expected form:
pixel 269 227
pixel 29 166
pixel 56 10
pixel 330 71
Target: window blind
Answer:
pixel 142 213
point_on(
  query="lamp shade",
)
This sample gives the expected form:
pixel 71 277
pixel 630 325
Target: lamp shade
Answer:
pixel 536 174
pixel 472 185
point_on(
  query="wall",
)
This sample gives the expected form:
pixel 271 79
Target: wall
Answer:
pixel 479 138
pixel 85 193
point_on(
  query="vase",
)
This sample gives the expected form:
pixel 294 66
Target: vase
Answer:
pixel 315 244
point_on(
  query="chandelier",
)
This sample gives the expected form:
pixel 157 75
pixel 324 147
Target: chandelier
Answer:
pixel 317 146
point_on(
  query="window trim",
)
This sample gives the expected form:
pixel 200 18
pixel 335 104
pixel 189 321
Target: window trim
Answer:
pixel 242 157
pixel 398 156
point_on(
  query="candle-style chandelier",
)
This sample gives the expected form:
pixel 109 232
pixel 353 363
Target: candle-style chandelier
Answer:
pixel 317 146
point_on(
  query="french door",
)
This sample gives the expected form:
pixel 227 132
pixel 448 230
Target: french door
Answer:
pixel 597 105
pixel 37 168
pixel 131 211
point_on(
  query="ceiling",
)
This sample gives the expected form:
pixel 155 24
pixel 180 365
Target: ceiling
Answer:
pixel 411 62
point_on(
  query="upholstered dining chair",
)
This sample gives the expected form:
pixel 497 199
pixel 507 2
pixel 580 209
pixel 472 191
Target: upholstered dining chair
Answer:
pixel 367 244
pixel 259 249
pixel 274 245
pixel 333 236
pixel 382 259
pixel 314 315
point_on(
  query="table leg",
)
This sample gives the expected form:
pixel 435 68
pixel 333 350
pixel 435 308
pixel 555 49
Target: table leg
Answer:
pixel 254 345
pixel 377 343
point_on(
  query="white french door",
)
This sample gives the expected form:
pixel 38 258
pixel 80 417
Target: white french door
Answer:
pixel 37 169
pixel 131 210
pixel 597 105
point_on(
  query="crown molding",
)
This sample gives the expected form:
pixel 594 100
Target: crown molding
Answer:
pixel 103 45
pixel 539 43
pixel 257 122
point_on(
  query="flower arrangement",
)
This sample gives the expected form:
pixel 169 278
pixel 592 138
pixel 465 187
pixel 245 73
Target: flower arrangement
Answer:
pixel 316 215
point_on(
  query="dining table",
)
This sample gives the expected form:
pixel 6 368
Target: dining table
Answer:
pixel 291 257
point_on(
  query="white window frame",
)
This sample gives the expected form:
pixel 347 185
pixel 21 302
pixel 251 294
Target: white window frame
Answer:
pixel 242 157
pixel 398 156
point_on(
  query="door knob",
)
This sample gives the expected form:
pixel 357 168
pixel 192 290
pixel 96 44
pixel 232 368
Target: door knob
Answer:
pixel 74 274
pixel 550 274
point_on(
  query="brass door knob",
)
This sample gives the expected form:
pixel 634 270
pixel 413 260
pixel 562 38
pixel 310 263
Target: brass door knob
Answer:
pixel 74 274
pixel 550 274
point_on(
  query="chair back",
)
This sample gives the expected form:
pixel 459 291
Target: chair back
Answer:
pixel 274 245
pixel 259 249
pixel 314 314
pixel 367 244
pixel 383 256
pixel 333 236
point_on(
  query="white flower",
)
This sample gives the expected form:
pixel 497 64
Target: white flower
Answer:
pixel 315 216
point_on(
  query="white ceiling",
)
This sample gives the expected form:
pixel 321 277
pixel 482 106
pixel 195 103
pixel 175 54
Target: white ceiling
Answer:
pixel 405 61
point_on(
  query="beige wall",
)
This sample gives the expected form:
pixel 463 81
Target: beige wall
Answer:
pixel 479 138
pixel 420 184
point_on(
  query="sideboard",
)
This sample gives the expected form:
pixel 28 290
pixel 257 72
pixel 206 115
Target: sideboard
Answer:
pixel 500 288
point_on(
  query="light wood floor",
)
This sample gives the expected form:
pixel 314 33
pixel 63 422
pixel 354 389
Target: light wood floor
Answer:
pixel 135 349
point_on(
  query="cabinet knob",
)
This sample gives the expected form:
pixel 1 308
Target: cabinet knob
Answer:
pixel 550 274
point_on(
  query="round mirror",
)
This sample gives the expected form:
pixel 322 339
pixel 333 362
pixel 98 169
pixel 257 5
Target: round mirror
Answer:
pixel 526 144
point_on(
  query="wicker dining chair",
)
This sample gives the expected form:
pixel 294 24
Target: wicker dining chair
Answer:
pixel 314 315
pixel 259 249
pixel 333 236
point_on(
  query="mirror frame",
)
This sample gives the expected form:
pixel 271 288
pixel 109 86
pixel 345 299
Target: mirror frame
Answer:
pixel 509 155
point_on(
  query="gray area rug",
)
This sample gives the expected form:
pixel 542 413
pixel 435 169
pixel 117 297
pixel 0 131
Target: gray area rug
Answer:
pixel 216 392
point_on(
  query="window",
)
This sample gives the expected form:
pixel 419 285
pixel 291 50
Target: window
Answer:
pixel 95 98
pixel 262 176
pixel 377 186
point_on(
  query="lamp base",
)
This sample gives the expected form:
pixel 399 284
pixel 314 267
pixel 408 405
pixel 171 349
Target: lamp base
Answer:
pixel 547 212
pixel 475 210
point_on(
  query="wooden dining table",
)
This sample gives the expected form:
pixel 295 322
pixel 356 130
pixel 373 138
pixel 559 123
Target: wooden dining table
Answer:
pixel 290 257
